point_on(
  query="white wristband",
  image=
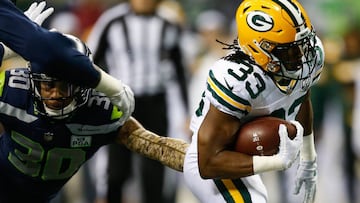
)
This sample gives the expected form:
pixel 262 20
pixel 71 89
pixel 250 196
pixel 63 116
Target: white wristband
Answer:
pixel 108 85
pixel 267 163
pixel 8 53
pixel 308 152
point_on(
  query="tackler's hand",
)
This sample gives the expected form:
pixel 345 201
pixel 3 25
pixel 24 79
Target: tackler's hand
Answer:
pixel 124 101
pixel 119 93
pixel 37 14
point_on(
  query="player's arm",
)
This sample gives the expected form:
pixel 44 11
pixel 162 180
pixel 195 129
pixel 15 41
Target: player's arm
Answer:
pixel 168 151
pixel 307 171
pixel 54 54
pixel 16 37
pixel 6 52
pixel 44 48
pixel 36 13
pixel 216 159
pixel 305 115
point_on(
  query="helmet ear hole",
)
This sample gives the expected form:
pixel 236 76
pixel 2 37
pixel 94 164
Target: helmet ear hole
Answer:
pixel 273 68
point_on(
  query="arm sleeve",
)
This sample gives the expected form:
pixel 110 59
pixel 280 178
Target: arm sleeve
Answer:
pixel 49 52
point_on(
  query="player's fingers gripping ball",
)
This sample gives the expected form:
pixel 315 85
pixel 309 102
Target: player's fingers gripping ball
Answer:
pixel 261 136
pixel 274 143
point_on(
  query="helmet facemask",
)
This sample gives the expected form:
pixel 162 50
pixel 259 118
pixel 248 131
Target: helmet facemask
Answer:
pixel 290 62
pixel 67 98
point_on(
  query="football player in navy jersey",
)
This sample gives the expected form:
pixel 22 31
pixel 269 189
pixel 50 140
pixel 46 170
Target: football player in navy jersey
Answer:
pixel 52 127
pixel 60 110
pixel 274 61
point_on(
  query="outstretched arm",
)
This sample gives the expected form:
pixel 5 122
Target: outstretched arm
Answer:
pixel 168 151
pixel 44 48
pixel 54 54
pixel 36 13
pixel 217 159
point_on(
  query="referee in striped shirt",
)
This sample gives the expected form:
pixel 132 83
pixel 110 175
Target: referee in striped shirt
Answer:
pixel 142 49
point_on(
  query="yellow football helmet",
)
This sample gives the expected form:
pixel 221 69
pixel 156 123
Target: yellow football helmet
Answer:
pixel 278 36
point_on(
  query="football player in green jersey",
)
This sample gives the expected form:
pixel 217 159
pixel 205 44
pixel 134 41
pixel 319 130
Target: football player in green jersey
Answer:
pixel 275 60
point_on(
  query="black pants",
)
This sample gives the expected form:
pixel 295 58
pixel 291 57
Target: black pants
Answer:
pixel 150 111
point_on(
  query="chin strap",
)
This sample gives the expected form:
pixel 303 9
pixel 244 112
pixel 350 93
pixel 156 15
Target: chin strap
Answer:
pixel 288 87
pixel 61 113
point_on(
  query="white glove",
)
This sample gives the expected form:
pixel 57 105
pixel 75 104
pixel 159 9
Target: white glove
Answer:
pixel 307 171
pixel 125 102
pixel 288 151
pixel 307 175
pixel 37 14
pixel 119 94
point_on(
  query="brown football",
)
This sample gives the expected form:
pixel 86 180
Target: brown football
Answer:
pixel 260 136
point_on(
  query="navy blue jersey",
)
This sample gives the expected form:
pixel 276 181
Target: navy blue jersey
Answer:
pixel 38 155
pixel 50 52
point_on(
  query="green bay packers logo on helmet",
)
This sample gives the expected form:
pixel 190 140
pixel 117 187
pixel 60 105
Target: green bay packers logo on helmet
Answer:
pixel 259 21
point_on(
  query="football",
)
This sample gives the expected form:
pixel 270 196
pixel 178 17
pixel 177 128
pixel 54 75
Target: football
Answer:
pixel 260 136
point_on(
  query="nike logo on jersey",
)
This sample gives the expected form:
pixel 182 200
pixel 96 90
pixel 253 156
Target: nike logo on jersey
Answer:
pixel 228 86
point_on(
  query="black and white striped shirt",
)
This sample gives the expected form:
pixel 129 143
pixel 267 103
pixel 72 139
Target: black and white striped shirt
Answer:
pixel 141 50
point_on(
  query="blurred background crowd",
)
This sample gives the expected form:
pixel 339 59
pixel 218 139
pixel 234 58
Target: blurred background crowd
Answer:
pixel 336 98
